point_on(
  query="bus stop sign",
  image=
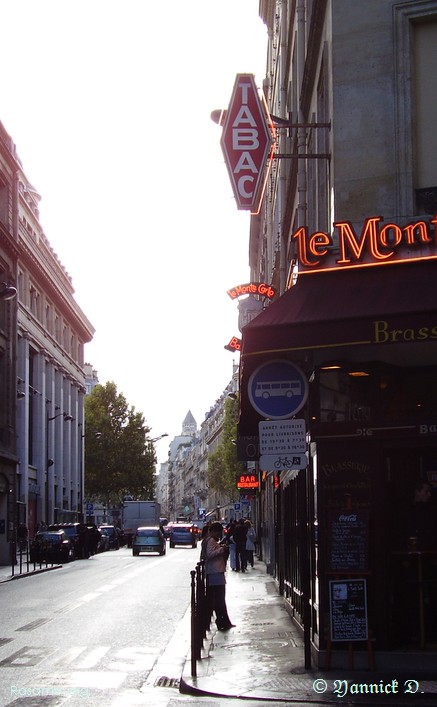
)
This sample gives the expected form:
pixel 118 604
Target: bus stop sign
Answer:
pixel 278 389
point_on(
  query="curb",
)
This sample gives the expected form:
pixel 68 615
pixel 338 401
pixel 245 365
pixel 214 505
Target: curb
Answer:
pixel 31 573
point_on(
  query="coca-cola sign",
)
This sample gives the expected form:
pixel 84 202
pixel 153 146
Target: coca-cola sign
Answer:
pixel 246 143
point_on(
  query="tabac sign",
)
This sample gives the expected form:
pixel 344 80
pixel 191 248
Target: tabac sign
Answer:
pixel 246 143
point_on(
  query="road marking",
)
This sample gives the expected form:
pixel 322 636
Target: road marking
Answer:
pixel 89 597
pixel 93 657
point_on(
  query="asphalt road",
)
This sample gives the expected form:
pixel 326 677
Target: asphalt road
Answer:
pixel 93 631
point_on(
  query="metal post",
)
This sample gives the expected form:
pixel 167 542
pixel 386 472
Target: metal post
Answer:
pixel 193 624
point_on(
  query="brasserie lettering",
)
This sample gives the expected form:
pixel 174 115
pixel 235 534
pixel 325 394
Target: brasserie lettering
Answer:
pixel 384 334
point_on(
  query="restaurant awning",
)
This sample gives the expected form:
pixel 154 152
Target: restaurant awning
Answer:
pixel 370 313
pixel 350 308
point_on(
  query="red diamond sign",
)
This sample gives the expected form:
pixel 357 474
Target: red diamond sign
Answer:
pixel 246 143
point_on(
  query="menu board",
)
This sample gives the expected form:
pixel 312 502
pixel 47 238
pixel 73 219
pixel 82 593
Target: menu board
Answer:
pixel 348 610
pixel 348 541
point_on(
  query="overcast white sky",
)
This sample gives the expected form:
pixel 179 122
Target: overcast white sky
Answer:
pixel 109 102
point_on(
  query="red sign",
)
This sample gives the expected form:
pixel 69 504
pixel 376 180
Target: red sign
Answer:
pixel 234 344
pixel 377 244
pixel 246 143
pixel 252 288
pixel 247 481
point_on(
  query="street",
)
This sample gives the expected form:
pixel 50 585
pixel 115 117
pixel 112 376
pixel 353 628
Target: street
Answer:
pixel 92 628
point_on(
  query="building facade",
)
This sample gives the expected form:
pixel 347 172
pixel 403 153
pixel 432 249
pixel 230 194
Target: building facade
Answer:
pixel 8 336
pixel 43 380
pixel 346 233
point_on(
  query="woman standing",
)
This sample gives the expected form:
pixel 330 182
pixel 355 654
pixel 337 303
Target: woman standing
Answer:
pixel 250 542
pixel 215 557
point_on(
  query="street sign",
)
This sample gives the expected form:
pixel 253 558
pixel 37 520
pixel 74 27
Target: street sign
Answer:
pixel 280 436
pixel 89 508
pixel 278 389
pixel 246 142
pixel 283 462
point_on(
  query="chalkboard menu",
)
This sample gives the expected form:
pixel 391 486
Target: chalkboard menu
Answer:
pixel 348 541
pixel 348 609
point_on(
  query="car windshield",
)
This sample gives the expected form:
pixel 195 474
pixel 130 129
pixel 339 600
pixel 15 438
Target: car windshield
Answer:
pixel 147 532
pixel 50 537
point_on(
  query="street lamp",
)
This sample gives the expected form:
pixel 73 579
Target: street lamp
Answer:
pixel 156 439
pixel 7 291
pixel 50 462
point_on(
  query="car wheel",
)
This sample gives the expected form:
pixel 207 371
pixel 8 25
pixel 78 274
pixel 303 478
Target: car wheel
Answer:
pixel 171 544
pixel 135 553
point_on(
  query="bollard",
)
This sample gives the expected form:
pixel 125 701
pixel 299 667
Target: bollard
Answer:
pixel 193 625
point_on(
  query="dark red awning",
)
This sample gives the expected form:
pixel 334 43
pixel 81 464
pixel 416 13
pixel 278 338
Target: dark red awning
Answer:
pixel 350 308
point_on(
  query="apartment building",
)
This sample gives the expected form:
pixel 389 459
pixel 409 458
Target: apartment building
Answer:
pixel 44 333
pixel 346 234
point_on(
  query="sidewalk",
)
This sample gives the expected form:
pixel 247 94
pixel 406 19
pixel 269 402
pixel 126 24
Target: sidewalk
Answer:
pixel 6 571
pixel 262 658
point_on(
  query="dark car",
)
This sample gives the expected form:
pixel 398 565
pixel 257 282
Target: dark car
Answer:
pixel 183 534
pixel 148 539
pixel 113 534
pixel 103 544
pixel 73 533
pixel 51 546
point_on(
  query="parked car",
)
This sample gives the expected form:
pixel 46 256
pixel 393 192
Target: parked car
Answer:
pixel 103 544
pixel 148 539
pixel 52 546
pixel 113 534
pixel 183 534
pixel 72 532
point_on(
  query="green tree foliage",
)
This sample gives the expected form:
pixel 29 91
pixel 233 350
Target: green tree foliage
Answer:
pixel 119 456
pixel 223 466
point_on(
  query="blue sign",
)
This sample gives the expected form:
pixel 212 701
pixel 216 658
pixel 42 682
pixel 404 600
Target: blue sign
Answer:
pixel 278 389
pixel 89 508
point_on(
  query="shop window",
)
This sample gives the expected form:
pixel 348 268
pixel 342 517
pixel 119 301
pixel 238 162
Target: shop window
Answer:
pixel 425 115
pixel 374 394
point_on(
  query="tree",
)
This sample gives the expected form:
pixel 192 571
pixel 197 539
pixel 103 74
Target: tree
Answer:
pixel 223 466
pixel 119 456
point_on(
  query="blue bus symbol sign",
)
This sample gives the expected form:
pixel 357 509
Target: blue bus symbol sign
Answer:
pixel 278 389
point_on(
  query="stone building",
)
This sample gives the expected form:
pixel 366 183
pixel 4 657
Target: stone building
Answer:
pixel 43 380
pixel 346 234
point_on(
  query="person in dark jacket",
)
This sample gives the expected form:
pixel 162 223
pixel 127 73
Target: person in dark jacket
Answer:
pixel 215 556
pixel 240 536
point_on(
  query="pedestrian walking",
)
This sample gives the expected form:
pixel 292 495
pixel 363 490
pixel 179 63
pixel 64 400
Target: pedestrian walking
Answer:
pixel 215 555
pixel 250 542
pixel 239 535
pixel 232 546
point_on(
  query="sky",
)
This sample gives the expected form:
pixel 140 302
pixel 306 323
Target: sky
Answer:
pixel 108 103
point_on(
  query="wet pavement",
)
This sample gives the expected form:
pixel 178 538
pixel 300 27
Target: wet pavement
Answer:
pixel 262 660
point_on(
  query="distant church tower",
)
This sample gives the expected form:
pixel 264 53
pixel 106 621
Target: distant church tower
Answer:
pixel 189 426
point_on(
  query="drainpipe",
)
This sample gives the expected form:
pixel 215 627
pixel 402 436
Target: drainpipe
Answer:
pixel 301 132
pixel 283 167
pixel 305 536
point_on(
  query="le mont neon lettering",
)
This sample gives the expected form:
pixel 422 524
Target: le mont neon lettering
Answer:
pixel 375 245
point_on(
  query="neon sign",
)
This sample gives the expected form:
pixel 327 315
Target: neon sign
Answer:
pixel 247 143
pixel 234 344
pixel 252 288
pixel 375 245
pixel 247 481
